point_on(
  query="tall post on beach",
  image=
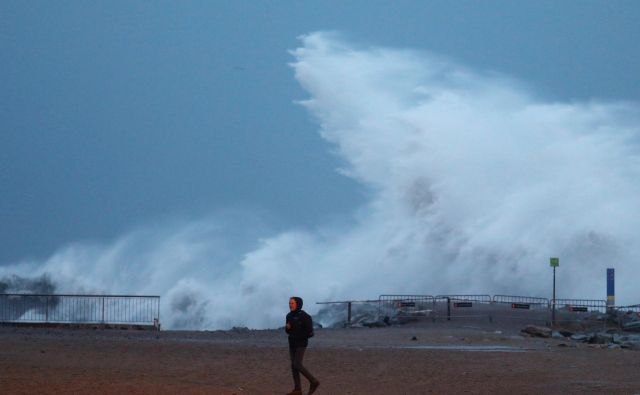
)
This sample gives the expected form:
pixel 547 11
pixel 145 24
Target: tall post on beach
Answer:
pixel 611 292
pixel 554 263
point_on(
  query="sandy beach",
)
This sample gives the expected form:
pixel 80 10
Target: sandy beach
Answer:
pixel 442 358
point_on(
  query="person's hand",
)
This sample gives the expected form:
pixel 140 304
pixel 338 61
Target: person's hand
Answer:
pixel 288 325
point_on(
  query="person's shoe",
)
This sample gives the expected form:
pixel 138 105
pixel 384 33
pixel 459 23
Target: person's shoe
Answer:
pixel 314 386
pixel 295 392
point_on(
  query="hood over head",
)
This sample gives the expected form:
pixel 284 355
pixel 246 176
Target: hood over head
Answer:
pixel 298 302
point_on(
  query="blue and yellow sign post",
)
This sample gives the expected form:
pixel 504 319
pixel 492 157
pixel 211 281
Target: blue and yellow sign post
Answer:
pixel 554 263
pixel 611 291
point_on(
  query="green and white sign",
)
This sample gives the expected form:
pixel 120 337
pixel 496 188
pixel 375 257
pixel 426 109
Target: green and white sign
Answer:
pixel 554 262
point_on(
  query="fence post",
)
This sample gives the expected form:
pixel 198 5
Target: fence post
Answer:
pixel 448 309
pixel 46 310
pixel 103 309
pixel 349 314
pixel 434 309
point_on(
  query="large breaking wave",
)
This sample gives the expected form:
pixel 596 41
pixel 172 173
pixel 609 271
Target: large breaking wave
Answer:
pixel 474 183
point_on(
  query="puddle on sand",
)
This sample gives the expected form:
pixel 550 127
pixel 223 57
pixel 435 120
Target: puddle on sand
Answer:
pixel 483 348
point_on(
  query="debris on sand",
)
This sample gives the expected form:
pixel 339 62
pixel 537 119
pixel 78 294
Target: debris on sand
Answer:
pixel 610 338
pixel 627 318
pixel 537 331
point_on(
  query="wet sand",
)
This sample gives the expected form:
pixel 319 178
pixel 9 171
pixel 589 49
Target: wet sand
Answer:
pixel 444 358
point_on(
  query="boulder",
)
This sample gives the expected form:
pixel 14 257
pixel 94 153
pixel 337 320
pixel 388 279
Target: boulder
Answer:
pixel 626 338
pixel 626 318
pixel 633 326
pixel 565 333
pixel 537 331
pixel 630 345
pixel 601 338
pixel 580 337
pixel 631 341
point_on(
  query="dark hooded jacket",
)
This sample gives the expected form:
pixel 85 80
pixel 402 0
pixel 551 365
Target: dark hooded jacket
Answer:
pixel 301 326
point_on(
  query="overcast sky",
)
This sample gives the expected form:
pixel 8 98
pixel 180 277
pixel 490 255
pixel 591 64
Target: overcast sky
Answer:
pixel 118 114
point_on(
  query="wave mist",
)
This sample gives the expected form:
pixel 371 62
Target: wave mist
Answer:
pixel 474 182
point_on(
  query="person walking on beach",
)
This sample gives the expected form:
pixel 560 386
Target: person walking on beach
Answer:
pixel 299 326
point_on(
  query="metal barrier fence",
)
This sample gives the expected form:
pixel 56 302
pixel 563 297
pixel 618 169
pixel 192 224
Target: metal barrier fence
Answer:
pixel 522 302
pixel 469 298
pixel 521 308
pixel 581 305
pixel 493 308
pixel 80 309
pixel 633 308
pixel 462 306
pixel 405 305
pixel 572 310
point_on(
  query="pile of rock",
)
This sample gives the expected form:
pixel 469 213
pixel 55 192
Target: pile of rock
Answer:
pixel 537 331
pixel 613 338
pixel 626 318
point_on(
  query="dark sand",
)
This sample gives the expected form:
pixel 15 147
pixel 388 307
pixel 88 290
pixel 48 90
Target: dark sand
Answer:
pixel 446 358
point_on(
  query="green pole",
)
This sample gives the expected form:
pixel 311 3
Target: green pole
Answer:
pixel 553 303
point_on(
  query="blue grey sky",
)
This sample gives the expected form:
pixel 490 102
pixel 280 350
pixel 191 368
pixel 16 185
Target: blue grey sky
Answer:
pixel 121 113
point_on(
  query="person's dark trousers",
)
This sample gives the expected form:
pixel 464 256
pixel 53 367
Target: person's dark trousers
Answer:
pixel 296 354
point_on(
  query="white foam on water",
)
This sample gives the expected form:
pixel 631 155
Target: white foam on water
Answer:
pixel 474 183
